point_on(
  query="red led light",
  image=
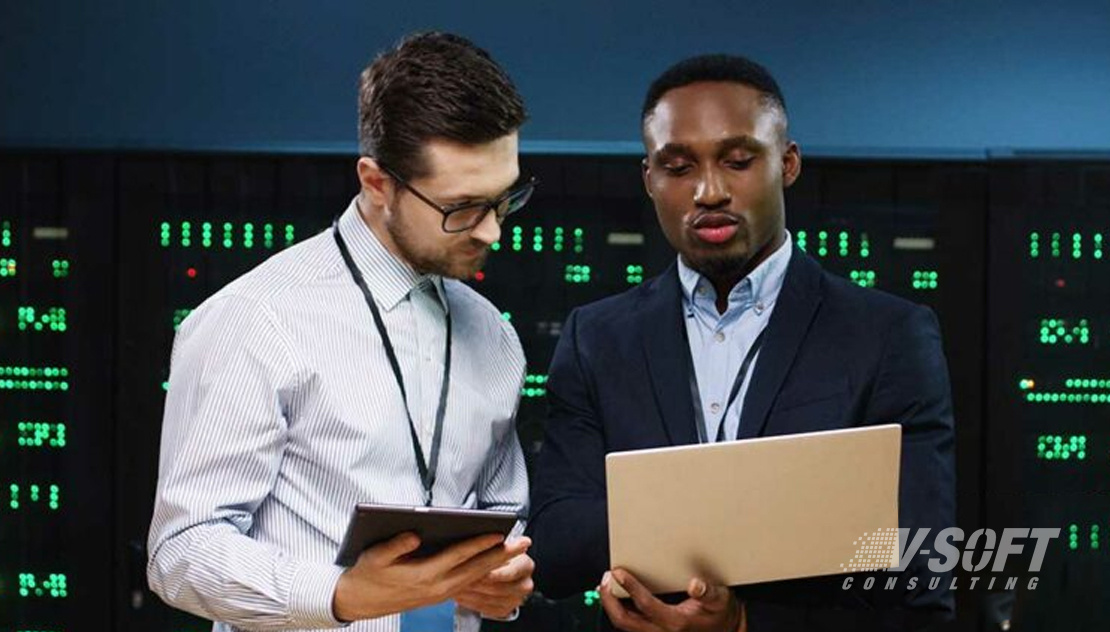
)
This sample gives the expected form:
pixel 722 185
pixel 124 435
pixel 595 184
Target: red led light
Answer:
pixel 479 276
pixel 1060 283
pixel 192 273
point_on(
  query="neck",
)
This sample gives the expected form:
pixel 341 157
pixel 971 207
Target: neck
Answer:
pixel 724 280
pixel 374 218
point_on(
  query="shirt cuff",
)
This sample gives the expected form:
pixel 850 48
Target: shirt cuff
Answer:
pixel 512 616
pixel 312 593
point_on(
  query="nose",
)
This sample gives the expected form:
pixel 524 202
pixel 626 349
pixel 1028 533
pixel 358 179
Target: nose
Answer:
pixel 488 230
pixel 711 191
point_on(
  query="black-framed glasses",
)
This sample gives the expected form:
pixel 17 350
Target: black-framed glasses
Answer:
pixel 462 217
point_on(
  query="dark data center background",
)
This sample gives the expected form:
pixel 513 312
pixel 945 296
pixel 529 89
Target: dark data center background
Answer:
pixel 102 255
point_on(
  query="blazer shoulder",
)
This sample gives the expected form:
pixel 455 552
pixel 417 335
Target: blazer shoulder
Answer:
pixel 875 306
pixel 616 312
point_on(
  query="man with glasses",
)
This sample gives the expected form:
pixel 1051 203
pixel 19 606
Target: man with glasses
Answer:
pixel 355 367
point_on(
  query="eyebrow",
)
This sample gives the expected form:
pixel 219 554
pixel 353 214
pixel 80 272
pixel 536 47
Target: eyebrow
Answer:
pixel 749 143
pixel 471 196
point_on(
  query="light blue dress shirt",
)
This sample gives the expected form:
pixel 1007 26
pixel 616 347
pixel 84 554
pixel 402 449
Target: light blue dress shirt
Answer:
pixel 282 413
pixel 719 342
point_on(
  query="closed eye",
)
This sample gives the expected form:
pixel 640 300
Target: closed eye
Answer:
pixel 740 165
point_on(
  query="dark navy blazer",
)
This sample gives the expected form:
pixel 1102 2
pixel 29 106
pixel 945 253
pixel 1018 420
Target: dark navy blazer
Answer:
pixel 835 356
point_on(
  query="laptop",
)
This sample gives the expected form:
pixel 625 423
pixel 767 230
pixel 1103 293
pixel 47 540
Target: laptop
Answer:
pixel 757 510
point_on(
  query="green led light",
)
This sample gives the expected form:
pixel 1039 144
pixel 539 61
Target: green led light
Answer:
pixel 35 495
pixel 506 316
pixel 23 378
pixel 60 268
pixel 5 234
pixel 634 274
pixel 575 273
pixel 590 597
pixel 8 268
pixel 495 246
pixel 864 246
pixel 54 319
pixel 55 586
pixel 1066 331
pixel 800 239
pixel 925 279
pixel 1059 447
pixel 179 316
pixel 865 278
pixel 41 435
pixel 534 385
pixel 289 235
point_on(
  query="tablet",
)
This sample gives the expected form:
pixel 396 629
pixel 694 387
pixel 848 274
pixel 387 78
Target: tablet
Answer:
pixel 438 527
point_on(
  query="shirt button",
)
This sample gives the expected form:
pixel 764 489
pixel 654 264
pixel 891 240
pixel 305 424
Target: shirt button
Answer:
pixel 720 336
pixel 715 407
pixel 427 358
pixel 701 291
pixel 759 309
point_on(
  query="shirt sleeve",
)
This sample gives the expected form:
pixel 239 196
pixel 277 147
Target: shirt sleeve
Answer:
pixel 223 437
pixel 503 482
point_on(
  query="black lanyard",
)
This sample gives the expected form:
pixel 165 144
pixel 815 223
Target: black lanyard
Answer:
pixel 699 414
pixel 427 470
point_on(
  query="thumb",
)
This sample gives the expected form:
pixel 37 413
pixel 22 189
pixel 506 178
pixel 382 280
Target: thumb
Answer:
pixel 706 593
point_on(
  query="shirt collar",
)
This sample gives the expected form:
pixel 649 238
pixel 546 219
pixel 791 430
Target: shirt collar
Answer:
pixel 389 278
pixel 762 285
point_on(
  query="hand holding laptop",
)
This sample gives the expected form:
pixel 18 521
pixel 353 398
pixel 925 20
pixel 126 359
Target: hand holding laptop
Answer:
pixel 709 608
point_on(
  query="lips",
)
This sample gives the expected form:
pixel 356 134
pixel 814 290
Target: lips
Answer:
pixel 715 228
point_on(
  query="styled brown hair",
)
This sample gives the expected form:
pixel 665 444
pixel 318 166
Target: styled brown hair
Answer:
pixel 432 85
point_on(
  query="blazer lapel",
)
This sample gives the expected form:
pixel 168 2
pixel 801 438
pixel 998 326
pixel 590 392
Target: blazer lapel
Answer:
pixel 666 352
pixel 794 311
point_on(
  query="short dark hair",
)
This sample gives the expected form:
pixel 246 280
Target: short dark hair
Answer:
pixel 731 68
pixel 432 85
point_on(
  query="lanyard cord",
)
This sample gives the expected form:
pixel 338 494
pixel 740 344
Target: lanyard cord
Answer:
pixel 427 470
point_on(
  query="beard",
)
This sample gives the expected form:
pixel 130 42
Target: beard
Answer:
pixel 437 261
pixel 716 265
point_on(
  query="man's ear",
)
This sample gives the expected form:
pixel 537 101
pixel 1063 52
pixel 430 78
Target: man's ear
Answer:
pixel 645 173
pixel 375 182
pixel 791 164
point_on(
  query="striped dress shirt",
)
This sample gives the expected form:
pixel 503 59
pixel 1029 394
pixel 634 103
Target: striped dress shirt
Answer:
pixel 719 342
pixel 283 412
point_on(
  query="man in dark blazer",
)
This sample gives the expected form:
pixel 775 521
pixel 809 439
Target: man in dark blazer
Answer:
pixel 821 354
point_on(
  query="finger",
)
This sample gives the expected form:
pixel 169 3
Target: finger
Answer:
pixel 393 549
pixel 522 588
pixel 652 609
pixel 486 606
pixel 477 567
pixel 517 568
pixel 466 550
pixel 623 618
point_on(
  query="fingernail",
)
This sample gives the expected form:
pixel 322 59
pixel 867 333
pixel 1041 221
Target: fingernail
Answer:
pixel 700 588
pixel 605 579
pixel 618 576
